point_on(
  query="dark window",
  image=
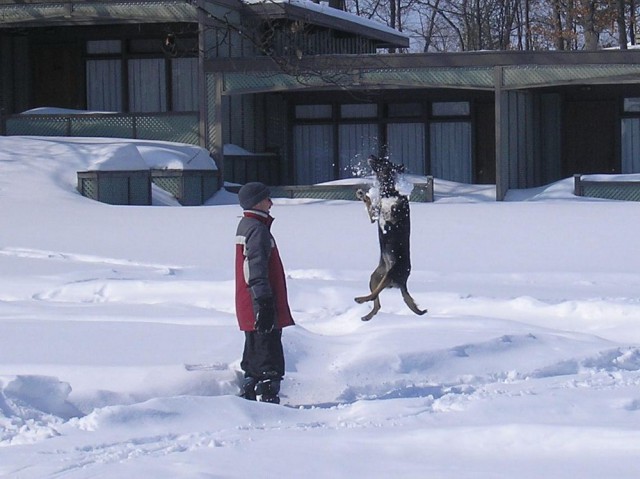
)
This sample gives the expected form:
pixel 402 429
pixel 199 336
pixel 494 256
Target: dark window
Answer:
pixel 451 108
pixel 368 110
pixel 404 110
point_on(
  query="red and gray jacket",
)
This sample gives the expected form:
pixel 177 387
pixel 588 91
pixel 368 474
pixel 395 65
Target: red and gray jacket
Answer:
pixel 259 271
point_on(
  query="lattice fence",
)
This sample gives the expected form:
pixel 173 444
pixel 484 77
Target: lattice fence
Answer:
pixel 610 190
pixel 422 192
pixel 176 127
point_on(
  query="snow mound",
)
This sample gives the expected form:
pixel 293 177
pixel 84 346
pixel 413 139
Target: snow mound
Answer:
pixel 32 408
pixel 26 395
pixel 117 157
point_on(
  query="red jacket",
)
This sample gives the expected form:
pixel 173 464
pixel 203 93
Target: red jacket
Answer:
pixel 259 271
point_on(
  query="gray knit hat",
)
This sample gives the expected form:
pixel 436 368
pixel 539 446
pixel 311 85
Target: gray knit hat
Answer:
pixel 252 193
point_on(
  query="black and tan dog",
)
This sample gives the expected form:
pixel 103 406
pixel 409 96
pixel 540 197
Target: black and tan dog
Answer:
pixel 391 212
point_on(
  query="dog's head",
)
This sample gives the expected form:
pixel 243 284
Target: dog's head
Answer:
pixel 386 173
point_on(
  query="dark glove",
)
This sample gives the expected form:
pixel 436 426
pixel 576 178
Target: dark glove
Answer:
pixel 266 315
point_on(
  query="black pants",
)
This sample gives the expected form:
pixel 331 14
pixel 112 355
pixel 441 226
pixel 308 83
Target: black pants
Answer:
pixel 263 354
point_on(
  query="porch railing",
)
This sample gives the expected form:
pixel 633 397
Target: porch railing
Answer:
pixel 610 190
pixel 422 192
pixel 179 127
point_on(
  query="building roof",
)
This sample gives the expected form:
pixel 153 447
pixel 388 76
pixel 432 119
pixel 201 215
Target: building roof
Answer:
pixel 323 15
pixel 507 70
pixel 35 13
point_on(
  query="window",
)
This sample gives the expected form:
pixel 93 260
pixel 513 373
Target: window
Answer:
pixel 451 151
pixel 359 111
pixel 104 47
pixel 630 136
pixel 313 112
pixel 147 85
pixel 314 149
pixel 355 143
pixel 632 105
pixel 404 110
pixel 406 145
pixel 136 75
pixel 104 81
pixel 184 84
pixel 450 108
pixel 145 45
pixel 427 137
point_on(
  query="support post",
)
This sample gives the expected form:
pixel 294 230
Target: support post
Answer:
pixel 210 97
pixel 577 185
pixel 202 88
pixel 502 166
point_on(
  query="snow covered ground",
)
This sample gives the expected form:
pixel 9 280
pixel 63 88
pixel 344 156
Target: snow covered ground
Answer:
pixel 119 348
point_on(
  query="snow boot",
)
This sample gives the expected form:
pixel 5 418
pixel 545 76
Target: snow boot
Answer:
pixel 249 389
pixel 268 388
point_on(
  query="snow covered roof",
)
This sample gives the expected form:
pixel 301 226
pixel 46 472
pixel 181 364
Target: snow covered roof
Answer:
pixel 41 12
pixel 322 14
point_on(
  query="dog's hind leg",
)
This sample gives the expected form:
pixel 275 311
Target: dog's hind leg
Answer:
pixel 411 302
pixel 377 278
pixel 374 311
pixel 384 282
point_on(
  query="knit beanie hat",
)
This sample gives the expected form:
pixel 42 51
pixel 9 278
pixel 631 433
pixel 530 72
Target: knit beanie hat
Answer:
pixel 251 194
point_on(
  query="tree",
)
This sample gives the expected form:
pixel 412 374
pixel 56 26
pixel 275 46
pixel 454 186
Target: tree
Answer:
pixel 459 25
pixel 622 28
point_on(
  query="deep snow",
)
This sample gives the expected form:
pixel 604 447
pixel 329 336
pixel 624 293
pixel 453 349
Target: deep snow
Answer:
pixel 527 364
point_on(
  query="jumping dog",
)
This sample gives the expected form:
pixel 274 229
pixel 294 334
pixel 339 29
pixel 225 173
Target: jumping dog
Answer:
pixel 391 212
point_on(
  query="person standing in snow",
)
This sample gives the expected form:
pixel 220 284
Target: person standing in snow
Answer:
pixel 262 307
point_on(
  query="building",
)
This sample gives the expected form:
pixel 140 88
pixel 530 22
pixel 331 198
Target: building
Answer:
pixel 309 85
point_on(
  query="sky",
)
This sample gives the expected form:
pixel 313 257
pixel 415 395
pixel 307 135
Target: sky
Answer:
pixel 120 351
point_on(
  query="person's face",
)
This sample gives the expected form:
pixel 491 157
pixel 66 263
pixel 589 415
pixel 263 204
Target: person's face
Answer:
pixel 264 205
